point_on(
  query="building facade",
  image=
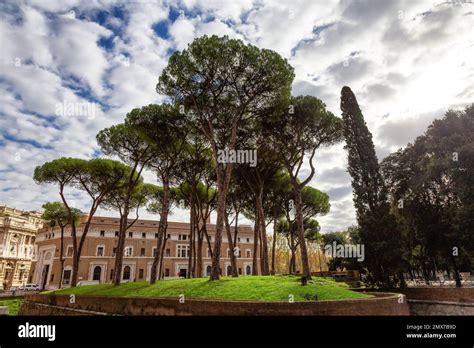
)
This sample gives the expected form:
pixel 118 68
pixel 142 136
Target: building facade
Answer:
pixel 98 254
pixel 18 231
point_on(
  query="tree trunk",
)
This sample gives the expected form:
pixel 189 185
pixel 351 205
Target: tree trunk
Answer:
pixel 260 251
pixel 190 272
pixel 293 261
pixel 194 248
pixel 320 251
pixel 199 254
pixel 61 257
pixel 255 247
pixel 160 273
pixel 300 230
pixel 233 262
pixel 208 241
pixel 263 233
pixel 161 229
pixel 425 273
pixel 120 249
pixel 274 242
pixel 457 276
pixel 75 262
pixel 216 255
pixel 223 180
pixel 78 250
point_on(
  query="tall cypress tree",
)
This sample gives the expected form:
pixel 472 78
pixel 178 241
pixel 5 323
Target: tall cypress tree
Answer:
pixel 378 228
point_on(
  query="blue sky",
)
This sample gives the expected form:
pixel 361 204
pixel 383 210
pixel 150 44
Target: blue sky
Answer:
pixel 72 68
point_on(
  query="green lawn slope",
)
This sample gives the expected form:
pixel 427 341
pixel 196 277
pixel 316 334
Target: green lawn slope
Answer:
pixel 261 288
pixel 12 304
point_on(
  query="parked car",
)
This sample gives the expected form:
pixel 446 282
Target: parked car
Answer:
pixel 30 287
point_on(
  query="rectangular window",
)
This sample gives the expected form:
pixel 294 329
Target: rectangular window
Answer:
pixel 142 252
pixel 130 234
pixel 154 252
pixel 156 235
pixel 248 240
pixel 238 239
pixel 128 251
pixel 168 236
pixel 70 251
pixel 208 253
pixel 143 235
pixel 116 233
pixel 100 251
pixel 114 252
pixel 140 273
pixel 102 233
pixel 248 254
pixel 168 253
pixel 67 276
pixel 183 250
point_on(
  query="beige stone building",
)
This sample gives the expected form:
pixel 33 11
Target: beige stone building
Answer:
pixel 98 255
pixel 18 230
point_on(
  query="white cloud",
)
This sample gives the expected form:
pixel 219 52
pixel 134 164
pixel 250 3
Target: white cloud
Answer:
pixel 406 61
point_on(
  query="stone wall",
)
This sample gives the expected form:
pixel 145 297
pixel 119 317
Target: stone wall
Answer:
pixel 440 294
pixel 381 304
pixel 440 301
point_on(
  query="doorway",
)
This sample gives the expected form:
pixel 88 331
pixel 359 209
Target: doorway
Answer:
pixel 182 272
pixel 126 273
pixel 45 277
pixel 96 274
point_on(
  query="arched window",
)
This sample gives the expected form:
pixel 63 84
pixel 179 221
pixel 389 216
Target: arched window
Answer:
pixel 248 271
pixel 208 271
pixel 229 270
pixel 126 273
pixel 97 273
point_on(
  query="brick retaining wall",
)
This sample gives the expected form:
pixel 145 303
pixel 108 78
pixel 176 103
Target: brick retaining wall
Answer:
pixel 440 301
pixel 440 294
pixel 382 304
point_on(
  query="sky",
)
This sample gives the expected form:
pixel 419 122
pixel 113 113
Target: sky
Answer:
pixel 71 68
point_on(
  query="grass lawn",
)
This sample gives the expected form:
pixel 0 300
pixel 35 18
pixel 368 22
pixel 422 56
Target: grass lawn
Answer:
pixel 263 288
pixel 12 304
